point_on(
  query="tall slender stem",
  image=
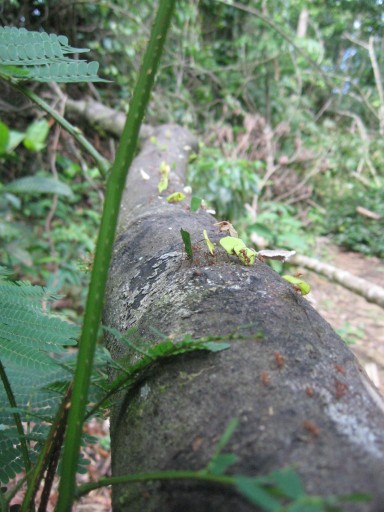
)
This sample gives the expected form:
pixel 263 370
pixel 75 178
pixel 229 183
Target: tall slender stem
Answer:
pixel 114 191
pixel 226 480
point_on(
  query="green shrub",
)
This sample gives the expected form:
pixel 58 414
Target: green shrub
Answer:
pixel 224 183
pixel 351 229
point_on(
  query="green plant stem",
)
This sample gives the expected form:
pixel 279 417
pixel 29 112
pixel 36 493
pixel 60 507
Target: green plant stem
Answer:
pixel 50 450
pixel 157 475
pixel 16 417
pixel 4 505
pixel 102 164
pixel 114 191
pixel 6 497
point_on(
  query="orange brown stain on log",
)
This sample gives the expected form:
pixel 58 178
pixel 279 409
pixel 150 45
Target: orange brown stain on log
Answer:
pixel 197 442
pixel 265 378
pixel 309 391
pixel 311 427
pixel 279 360
pixel 341 389
pixel 340 369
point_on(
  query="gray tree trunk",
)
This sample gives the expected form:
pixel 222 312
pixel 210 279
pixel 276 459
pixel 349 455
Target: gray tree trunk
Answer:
pixel 301 397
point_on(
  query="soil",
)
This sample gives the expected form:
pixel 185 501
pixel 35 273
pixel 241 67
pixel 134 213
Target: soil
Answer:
pixel 358 322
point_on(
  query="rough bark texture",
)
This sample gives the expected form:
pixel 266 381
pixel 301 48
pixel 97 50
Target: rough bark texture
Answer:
pixel 300 395
pixel 100 116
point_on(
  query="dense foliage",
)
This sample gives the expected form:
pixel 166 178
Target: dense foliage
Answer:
pixel 287 98
pixel 288 92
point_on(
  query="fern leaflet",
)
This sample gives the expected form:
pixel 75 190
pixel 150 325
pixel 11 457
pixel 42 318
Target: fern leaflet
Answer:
pixel 28 55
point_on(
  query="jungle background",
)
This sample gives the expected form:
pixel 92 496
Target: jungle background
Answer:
pixel 287 100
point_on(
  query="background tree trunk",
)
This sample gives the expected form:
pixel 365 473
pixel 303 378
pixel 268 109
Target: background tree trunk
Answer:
pixel 300 395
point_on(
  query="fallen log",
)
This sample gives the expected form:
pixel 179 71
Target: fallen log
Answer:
pixel 370 291
pixel 112 121
pixel 101 116
pixel 300 395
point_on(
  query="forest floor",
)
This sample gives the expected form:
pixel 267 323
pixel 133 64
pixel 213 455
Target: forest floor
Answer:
pixel 358 322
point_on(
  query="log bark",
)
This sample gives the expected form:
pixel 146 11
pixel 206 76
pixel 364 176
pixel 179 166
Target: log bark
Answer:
pixel 298 374
pixel 100 116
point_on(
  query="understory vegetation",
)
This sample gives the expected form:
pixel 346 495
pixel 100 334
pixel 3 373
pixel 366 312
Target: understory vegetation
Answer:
pixel 287 101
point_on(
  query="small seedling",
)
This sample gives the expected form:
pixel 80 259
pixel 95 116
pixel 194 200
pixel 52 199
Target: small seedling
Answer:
pixel 195 203
pixel 187 243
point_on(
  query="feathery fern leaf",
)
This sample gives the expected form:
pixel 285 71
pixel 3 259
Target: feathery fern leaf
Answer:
pixel 33 352
pixel 42 57
pixel 32 346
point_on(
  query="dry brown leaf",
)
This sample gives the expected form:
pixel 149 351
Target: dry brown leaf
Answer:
pixel 224 225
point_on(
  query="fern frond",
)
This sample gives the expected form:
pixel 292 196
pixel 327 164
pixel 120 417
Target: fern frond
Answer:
pixel 11 463
pixel 32 347
pixel 42 57
pixel 23 294
pixel 21 44
pixel 26 327
pixel 5 273
pixel 73 71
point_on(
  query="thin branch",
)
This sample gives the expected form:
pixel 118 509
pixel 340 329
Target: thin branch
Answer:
pixel 101 162
pixel 379 85
pixel 49 451
pixel 371 292
pixel 156 475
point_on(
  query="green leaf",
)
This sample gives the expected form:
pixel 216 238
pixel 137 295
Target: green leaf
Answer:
pixel 42 57
pixel 232 244
pixel 215 346
pixel 288 482
pixel 251 489
pixel 210 245
pixel 36 135
pixel 221 463
pixel 38 185
pixel 15 138
pixel 195 203
pixel 246 256
pixel 227 434
pixel 298 283
pixel 356 497
pixel 187 243
pixel 161 349
pixel 164 171
pixel 32 346
pixel 4 138
pixel 176 197
pixel 236 246
pixel 13 71
pixel 306 507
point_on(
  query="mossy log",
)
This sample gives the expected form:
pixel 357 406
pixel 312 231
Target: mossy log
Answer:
pixel 301 397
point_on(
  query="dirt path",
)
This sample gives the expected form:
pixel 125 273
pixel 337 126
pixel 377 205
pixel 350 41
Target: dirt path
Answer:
pixel 355 320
